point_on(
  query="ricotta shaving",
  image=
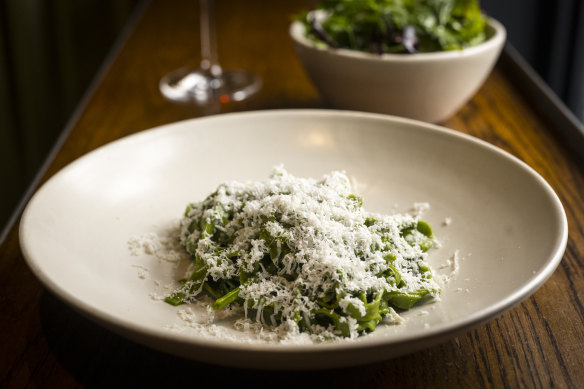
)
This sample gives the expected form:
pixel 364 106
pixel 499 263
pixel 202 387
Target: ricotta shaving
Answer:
pixel 302 255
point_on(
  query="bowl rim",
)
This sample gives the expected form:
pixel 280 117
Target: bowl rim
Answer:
pixel 297 33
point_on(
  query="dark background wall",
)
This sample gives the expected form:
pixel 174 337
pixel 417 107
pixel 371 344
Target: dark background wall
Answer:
pixel 50 50
pixel 550 36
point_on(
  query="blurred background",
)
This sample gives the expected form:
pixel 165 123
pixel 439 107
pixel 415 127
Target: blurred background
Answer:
pixel 51 50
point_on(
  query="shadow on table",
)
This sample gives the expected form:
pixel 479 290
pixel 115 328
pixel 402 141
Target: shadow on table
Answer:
pixel 96 357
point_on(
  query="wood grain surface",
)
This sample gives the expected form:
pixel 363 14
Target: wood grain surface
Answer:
pixel 44 343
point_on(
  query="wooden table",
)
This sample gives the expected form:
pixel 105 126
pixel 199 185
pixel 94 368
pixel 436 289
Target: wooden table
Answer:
pixel 44 343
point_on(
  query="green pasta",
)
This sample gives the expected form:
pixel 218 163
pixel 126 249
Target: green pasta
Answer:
pixel 304 254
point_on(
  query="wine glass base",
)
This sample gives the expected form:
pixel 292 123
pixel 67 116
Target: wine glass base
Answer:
pixel 197 86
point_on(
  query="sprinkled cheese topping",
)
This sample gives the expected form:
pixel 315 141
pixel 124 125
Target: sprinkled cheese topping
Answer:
pixel 304 255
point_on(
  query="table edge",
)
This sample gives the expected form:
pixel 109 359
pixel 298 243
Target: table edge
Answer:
pixel 545 102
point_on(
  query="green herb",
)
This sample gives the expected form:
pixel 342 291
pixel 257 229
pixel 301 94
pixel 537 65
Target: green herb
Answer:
pixel 396 26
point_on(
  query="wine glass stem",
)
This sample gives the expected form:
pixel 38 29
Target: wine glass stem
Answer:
pixel 209 58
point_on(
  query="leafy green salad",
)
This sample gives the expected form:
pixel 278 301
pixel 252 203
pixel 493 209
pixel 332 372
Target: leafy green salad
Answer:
pixel 303 255
pixel 396 26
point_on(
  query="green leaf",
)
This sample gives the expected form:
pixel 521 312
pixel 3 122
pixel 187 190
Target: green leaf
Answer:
pixel 378 25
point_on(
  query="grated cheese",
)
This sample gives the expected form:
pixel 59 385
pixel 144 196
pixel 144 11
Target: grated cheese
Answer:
pixel 303 240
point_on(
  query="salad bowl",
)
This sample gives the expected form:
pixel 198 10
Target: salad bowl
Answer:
pixel 424 86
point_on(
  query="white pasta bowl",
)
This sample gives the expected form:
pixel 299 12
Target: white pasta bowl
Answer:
pixel 424 86
pixel 501 227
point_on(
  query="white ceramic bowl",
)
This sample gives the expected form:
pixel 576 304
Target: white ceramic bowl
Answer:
pixel 505 222
pixel 424 86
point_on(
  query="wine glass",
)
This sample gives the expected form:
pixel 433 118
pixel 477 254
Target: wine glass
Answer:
pixel 209 83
